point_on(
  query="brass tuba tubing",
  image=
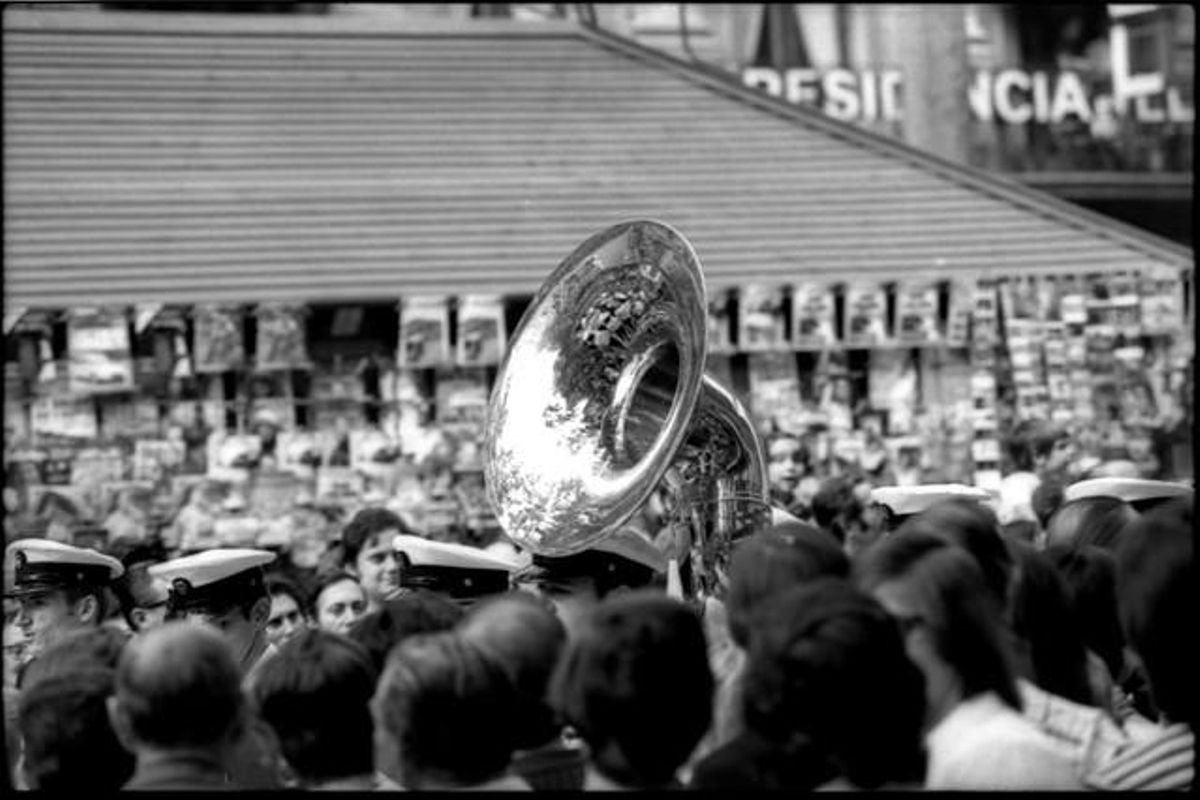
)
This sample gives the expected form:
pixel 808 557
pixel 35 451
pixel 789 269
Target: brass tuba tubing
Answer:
pixel 602 397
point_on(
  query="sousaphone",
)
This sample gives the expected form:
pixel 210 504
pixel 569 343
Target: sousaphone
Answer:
pixel 602 397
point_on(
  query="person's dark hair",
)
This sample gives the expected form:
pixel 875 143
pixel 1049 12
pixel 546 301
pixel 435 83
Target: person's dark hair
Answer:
pixel 127 588
pixel 1095 521
pixel 1030 440
pixel 523 634
pixel 1155 581
pixel 278 584
pixel 835 495
pixel 814 671
pixel 69 743
pixel 1046 627
pixel 130 551
pixel 448 708
pixel 324 581
pixel 1046 499
pixel 972 526
pixel 315 693
pixel 367 523
pixel 180 686
pixel 786 555
pixel 965 623
pixel 420 611
pixel 1090 575
pixel 636 684
pixel 91 648
pixel 1020 530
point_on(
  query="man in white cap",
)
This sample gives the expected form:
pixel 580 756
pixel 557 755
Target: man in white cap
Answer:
pixel 462 573
pixel 61 588
pixel 898 503
pixel 622 561
pixel 225 587
pixel 1141 493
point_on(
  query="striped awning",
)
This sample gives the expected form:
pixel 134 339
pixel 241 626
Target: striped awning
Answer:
pixel 177 158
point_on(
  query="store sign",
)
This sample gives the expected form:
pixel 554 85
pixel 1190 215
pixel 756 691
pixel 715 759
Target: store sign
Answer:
pixel 481 334
pixel 99 356
pixel 424 332
pixel 1014 96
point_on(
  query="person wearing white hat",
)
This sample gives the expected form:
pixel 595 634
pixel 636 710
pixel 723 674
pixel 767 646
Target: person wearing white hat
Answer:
pixel 61 588
pixel 622 561
pixel 1141 493
pixel 464 574
pixel 901 502
pixel 225 587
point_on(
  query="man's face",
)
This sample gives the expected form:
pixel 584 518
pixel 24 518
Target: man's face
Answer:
pixel 45 618
pixel 1060 455
pixel 286 619
pixel 340 605
pixel 149 617
pixel 237 629
pixel 377 566
pixel 571 598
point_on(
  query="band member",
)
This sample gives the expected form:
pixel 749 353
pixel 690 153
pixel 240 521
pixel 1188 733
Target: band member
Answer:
pixel 1140 493
pixel 61 588
pixel 464 574
pixel 226 588
pixel 622 561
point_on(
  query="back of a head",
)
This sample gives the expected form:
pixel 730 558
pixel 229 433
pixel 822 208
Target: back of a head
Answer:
pixel 637 685
pixel 83 649
pixel 963 619
pixel 787 555
pixel 1094 521
pixel 315 693
pixel 1045 624
pixel 69 744
pixel 524 636
pixel 815 669
pixel 420 611
pixel 180 686
pixel 1156 599
pixel 447 709
pixel 972 526
pixel 1090 575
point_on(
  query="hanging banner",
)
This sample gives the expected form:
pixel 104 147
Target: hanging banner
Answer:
pixel 99 358
pixel 719 324
pixel 217 345
pixel 424 332
pixel 280 343
pixel 1162 307
pixel 958 320
pixel 481 335
pixel 760 319
pixel 917 313
pixel 866 315
pixel 813 317
pixel 775 388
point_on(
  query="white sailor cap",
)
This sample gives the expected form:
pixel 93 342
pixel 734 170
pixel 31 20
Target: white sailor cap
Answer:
pixel 43 565
pixel 621 550
pixel 462 572
pixel 904 501
pixel 1138 492
pixel 200 579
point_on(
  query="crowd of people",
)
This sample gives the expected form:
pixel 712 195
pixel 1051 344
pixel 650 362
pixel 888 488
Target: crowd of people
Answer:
pixel 929 636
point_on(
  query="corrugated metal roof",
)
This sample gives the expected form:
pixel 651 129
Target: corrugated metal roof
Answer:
pixel 183 159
